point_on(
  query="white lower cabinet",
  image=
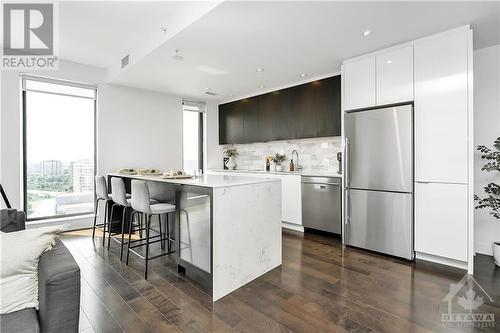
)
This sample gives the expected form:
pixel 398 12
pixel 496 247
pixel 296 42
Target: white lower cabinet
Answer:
pixel 441 220
pixel 291 193
pixel 291 199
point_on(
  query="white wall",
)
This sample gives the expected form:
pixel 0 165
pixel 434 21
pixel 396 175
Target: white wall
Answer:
pixel 134 127
pixel 486 130
pixel 138 128
pixel 214 152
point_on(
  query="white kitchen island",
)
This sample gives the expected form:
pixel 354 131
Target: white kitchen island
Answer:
pixel 228 228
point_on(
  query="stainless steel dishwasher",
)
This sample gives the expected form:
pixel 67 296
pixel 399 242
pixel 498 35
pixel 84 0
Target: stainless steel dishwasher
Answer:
pixel 321 203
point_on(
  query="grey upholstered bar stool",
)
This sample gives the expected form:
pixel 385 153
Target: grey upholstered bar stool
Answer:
pixel 141 205
pixel 101 191
pixel 121 199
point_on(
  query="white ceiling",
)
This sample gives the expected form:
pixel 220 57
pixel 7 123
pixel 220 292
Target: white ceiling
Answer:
pixel 100 33
pixel 223 48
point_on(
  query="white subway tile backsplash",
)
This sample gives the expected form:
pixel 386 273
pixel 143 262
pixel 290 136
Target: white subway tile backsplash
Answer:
pixel 318 154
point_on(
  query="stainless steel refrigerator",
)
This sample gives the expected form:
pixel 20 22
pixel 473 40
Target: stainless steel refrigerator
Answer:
pixel 379 180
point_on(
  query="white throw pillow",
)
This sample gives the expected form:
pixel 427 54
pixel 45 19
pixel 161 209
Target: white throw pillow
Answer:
pixel 20 253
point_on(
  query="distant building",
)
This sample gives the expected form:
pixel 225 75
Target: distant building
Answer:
pixel 51 168
pixel 83 175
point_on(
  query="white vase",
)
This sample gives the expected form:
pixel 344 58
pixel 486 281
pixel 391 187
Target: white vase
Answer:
pixel 278 168
pixel 231 163
pixel 496 252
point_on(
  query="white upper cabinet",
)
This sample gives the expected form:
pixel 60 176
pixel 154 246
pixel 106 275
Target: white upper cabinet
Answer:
pixel 359 83
pixel 441 109
pixel 395 76
pixel 386 78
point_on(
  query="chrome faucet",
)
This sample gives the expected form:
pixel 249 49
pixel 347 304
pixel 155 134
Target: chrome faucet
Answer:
pixel 298 167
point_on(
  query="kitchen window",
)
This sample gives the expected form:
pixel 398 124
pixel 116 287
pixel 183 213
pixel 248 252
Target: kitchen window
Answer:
pixel 193 135
pixel 59 147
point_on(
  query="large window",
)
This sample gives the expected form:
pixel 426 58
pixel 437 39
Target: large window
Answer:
pixel 59 147
pixel 193 116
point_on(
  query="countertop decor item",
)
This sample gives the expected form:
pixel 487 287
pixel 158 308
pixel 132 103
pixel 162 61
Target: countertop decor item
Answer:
pixel 278 159
pixel 231 152
pixel 175 175
pixel 127 171
pixel 492 190
pixel 149 172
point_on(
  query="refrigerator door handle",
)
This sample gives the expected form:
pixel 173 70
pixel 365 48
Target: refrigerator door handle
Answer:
pixel 347 208
pixel 347 166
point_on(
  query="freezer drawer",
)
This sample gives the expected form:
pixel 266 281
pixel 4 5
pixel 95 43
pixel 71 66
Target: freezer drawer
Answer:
pixel 380 221
pixel 321 204
pixel 379 151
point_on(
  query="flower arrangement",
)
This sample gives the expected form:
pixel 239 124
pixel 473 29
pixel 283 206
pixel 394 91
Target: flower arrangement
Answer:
pixel 230 151
pixel 279 158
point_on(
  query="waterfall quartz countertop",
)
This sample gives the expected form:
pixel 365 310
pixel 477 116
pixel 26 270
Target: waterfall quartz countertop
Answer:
pixel 211 180
pixel 229 228
pixel 308 173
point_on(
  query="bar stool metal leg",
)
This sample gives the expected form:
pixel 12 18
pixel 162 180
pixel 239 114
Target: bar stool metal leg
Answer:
pixel 110 224
pixel 106 219
pixel 169 245
pixel 123 229
pixel 130 234
pixel 95 216
pixel 148 225
pixel 162 243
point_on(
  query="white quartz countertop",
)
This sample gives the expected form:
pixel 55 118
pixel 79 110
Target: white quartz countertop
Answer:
pixel 297 173
pixel 212 181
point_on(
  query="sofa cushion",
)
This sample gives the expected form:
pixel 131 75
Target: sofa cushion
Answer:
pixel 23 321
pixel 12 220
pixel 59 290
pixel 20 253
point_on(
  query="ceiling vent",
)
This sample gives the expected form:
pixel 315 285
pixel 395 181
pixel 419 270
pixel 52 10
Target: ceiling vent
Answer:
pixel 210 93
pixel 125 61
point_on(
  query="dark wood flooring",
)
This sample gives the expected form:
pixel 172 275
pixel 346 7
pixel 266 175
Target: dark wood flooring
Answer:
pixel 322 286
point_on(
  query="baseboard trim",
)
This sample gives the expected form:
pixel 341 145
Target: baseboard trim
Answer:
pixel 483 248
pixel 71 223
pixel 292 226
pixel 442 261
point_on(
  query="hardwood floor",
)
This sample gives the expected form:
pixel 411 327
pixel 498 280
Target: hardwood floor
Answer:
pixel 321 287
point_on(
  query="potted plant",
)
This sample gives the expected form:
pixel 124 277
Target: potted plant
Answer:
pixel 492 190
pixel 278 159
pixel 231 152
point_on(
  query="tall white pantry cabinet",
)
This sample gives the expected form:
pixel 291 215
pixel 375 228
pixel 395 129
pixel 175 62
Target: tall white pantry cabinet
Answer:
pixel 435 73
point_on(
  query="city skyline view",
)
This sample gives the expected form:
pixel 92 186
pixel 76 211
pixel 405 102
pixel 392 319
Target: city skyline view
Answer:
pixel 60 173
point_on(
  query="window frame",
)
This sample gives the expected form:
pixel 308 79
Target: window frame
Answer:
pixel 201 130
pixel 24 90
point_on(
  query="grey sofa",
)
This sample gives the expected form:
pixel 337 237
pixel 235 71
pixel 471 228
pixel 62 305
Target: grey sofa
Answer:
pixel 58 289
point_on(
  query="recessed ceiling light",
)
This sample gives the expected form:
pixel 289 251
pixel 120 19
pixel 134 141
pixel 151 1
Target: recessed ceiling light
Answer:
pixel 177 56
pixel 259 69
pixel 303 75
pixel 261 86
pixel 366 33
pixel 207 88
pixel 389 62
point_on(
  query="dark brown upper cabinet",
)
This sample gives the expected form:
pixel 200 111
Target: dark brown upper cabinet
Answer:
pixel 306 111
pixel 230 123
